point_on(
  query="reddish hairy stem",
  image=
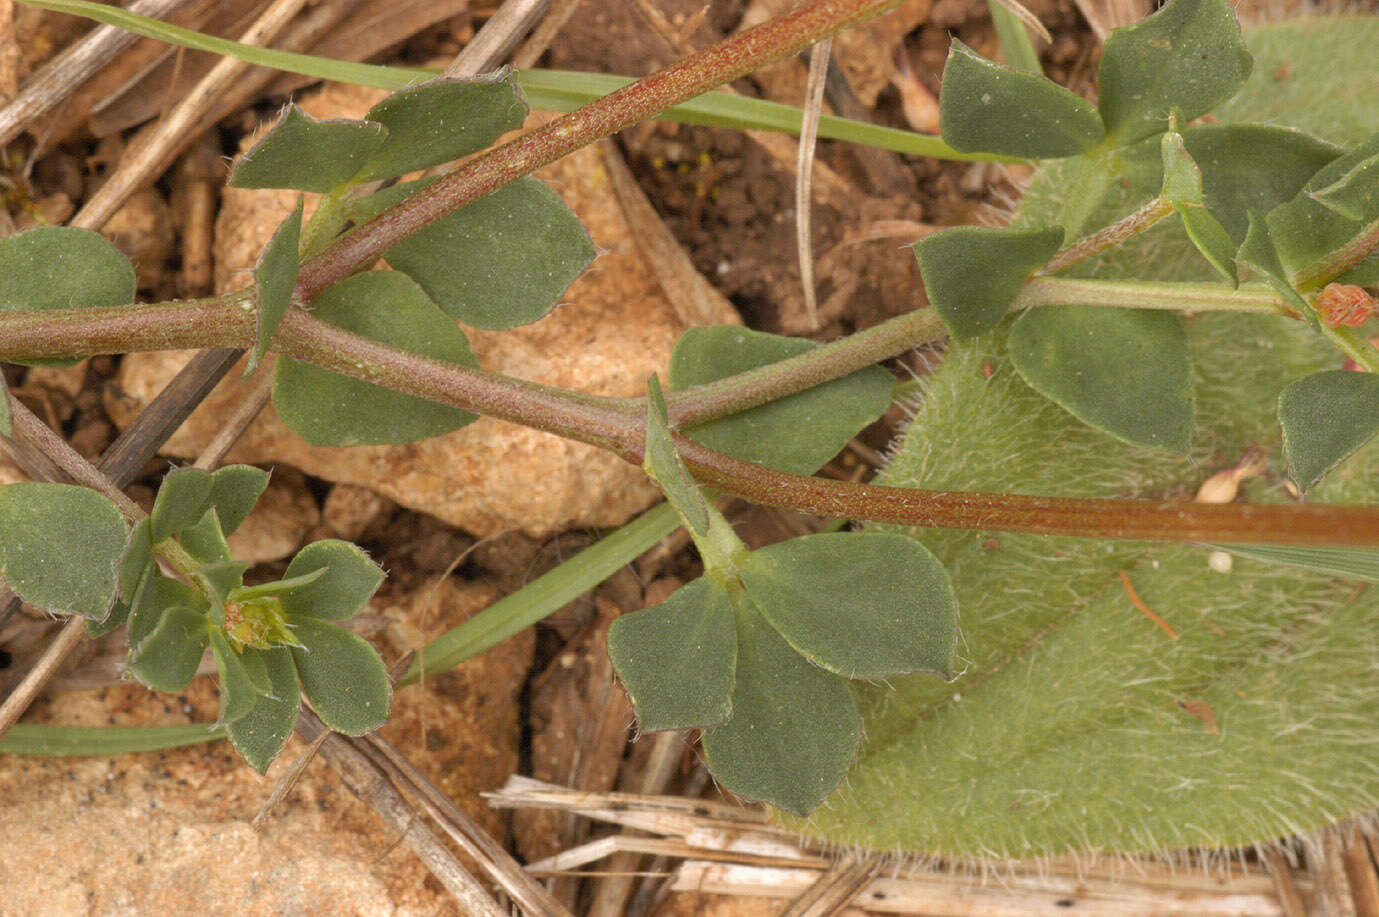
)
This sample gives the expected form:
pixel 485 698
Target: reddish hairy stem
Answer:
pixel 618 426
pixel 1083 517
pixel 486 173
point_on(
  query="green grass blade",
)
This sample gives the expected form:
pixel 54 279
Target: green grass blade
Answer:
pixel 1016 45
pixel 1352 563
pixel 553 90
pixel 70 741
pixel 544 595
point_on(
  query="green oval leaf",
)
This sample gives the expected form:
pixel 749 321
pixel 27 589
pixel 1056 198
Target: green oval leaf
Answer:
pixel 342 676
pixel 60 267
pixel 156 594
pixel 205 541
pixel 799 433
pixel 60 547
pixel 239 686
pixel 1188 57
pixel 436 122
pixel 1210 239
pixel 794 728
pixel 1325 418
pixel 971 274
pixel 1244 167
pixel 1310 226
pixel 137 560
pixel 860 604
pixel 677 658
pixel 341 592
pixel 234 491
pixel 504 260
pixel 262 733
pixel 275 277
pixel 182 500
pixel 987 108
pixel 306 154
pixel 1124 371
pixel 1182 179
pixel 166 660
pixel 328 409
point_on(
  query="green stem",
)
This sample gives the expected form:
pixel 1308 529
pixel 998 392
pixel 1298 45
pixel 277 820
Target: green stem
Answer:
pixel 618 426
pixel 487 172
pixel 544 595
pixel 1150 294
pixel 1333 264
pixel 1110 237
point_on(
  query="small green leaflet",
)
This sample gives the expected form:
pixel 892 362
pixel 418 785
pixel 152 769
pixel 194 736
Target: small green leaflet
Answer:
pixel 1183 189
pixel 677 658
pixel 1355 194
pixel 1188 57
pixel 346 582
pixel 61 546
pixel 182 500
pixel 794 728
pixel 440 121
pixel 328 409
pixel 799 433
pixel 238 689
pixel 971 274
pixel 1326 417
pixel 306 154
pixel 234 491
pixel 503 261
pixel 1123 371
pixel 262 733
pixel 904 620
pixel 274 278
pixel 664 465
pixel 342 676
pixel 413 129
pixel 166 660
pixel 987 108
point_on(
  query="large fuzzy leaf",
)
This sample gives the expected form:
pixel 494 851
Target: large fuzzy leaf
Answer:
pixel 61 546
pixel 1078 724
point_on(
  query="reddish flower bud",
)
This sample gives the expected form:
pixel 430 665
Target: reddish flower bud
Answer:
pixel 1345 304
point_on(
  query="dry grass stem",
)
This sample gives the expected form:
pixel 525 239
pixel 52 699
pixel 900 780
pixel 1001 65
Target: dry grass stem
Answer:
pixel 60 76
pixel 141 164
pixel 804 174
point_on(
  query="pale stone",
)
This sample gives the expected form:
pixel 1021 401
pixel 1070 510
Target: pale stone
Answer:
pixel 169 832
pixel 280 521
pixel 350 510
pixel 613 331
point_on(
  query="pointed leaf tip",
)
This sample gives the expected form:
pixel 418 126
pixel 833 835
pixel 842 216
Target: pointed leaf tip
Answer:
pixel 1189 57
pixel 794 729
pixel 972 274
pixel 987 108
pixel 905 620
pixel 677 658
pixel 1326 417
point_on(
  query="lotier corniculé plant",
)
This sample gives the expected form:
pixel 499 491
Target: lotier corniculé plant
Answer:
pixel 1074 427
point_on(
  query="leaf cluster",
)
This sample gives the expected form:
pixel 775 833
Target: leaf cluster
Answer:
pixel 1290 208
pixel 759 651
